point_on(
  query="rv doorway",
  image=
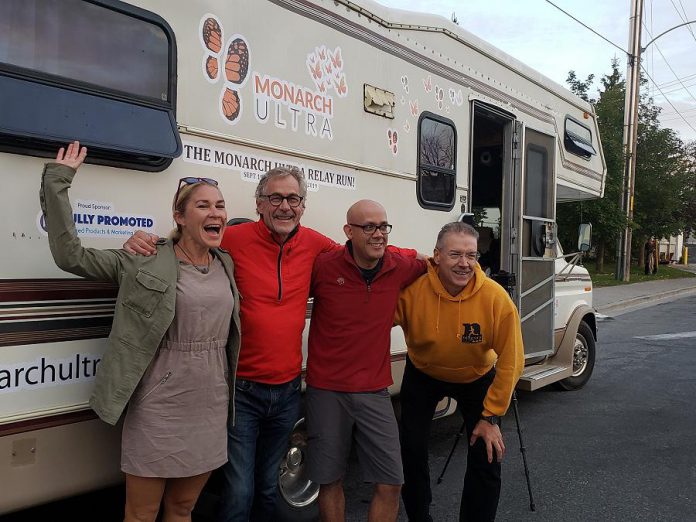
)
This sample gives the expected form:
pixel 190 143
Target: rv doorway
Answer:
pixel 491 146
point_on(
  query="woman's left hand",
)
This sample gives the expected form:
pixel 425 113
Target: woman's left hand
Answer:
pixel 73 157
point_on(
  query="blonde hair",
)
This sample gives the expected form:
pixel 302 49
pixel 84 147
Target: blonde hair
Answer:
pixel 183 196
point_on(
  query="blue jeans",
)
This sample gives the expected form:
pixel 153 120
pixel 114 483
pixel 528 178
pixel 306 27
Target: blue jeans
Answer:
pixel 265 416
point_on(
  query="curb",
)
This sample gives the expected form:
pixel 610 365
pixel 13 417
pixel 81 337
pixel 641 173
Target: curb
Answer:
pixel 637 301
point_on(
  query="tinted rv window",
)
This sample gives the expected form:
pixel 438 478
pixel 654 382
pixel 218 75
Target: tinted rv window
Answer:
pixel 578 139
pixel 437 155
pixel 101 72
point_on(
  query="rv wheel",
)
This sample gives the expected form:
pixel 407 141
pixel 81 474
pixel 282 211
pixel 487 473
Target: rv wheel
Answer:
pixel 583 359
pixel 297 495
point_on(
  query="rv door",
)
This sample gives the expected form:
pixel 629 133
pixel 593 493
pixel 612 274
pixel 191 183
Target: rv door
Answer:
pixel 535 187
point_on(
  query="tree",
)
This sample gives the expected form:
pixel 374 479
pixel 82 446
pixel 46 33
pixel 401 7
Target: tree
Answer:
pixel 665 185
pixel 605 214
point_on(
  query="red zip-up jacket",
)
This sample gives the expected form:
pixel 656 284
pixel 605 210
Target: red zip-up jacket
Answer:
pixel 350 332
pixel 273 283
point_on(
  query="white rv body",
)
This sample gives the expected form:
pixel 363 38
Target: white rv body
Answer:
pixel 349 93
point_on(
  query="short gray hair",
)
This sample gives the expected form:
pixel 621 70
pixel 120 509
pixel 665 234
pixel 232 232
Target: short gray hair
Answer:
pixel 281 172
pixel 456 227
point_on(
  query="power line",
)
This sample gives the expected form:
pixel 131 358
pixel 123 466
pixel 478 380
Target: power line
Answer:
pixel 683 18
pixel 667 99
pixel 676 88
pixel 670 67
pixel 586 26
pixel 671 83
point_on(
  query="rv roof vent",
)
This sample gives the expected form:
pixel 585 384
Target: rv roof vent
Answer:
pixel 379 102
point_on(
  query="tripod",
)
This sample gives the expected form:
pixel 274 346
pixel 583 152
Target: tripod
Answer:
pixel 523 450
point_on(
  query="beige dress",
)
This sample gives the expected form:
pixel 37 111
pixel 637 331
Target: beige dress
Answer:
pixel 176 422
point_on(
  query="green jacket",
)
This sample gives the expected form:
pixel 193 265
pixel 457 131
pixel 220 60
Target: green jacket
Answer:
pixel 144 305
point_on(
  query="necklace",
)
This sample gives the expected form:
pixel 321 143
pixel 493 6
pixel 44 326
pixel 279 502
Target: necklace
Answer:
pixel 202 270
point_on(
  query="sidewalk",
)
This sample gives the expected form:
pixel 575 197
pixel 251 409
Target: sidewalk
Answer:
pixel 615 300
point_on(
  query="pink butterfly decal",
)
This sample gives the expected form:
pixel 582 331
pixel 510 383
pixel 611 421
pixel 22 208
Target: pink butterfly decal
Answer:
pixel 336 59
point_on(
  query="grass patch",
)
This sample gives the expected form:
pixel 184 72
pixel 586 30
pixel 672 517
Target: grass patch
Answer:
pixel 637 274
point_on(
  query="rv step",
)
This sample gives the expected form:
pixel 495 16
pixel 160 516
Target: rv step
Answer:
pixel 538 375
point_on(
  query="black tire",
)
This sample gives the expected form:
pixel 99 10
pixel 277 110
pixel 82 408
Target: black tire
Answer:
pixel 297 495
pixel 583 359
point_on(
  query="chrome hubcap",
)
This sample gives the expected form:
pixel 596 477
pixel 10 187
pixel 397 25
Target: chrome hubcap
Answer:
pixel 295 487
pixel 580 356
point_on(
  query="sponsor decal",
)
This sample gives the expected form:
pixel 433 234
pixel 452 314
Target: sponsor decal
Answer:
pixel 101 219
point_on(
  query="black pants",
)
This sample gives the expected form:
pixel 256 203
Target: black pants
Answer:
pixel 420 394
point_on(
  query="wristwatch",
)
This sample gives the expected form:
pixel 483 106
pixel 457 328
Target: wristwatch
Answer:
pixel 492 419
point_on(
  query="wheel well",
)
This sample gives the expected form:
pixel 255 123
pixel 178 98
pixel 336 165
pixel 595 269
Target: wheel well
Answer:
pixel 591 321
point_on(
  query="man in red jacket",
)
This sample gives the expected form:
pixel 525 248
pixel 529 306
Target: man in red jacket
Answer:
pixel 356 289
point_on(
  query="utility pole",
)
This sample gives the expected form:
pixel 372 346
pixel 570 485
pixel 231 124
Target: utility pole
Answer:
pixel 630 133
pixel 630 138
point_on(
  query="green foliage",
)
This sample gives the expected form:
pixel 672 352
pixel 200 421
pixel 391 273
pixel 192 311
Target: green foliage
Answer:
pixel 665 183
pixel 608 278
pixel 605 214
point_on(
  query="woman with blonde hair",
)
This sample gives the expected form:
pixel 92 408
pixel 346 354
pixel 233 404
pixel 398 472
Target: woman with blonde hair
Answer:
pixel 172 351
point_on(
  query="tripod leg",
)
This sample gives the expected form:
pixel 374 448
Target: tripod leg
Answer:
pixel 449 457
pixel 523 450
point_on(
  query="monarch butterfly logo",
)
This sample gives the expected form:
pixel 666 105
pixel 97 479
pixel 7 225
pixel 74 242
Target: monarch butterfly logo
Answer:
pixel 233 71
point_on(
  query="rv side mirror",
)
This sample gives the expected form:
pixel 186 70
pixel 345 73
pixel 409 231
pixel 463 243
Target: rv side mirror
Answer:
pixel 584 237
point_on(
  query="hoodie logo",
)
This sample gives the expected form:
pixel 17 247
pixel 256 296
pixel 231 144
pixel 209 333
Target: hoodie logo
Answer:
pixel 472 333
pixel 340 280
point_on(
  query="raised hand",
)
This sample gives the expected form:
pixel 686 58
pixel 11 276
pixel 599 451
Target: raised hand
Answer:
pixel 73 156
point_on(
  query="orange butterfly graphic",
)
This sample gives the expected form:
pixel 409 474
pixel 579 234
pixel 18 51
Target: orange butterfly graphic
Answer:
pixel 315 70
pixel 336 59
pixel 341 86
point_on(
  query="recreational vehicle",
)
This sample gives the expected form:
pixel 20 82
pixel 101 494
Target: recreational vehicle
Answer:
pixel 409 109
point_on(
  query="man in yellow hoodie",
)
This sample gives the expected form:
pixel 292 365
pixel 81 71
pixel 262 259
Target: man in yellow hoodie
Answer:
pixel 464 341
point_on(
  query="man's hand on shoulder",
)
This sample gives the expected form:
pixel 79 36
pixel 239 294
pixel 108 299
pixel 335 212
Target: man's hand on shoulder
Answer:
pixel 492 437
pixel 141 243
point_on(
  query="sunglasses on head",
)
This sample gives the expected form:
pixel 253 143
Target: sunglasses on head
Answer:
pixel 190 180
pixel 193 181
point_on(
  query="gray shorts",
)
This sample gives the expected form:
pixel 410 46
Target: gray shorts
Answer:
pixel 333 418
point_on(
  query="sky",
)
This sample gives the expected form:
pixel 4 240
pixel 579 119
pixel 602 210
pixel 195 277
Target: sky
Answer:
pixel 541 36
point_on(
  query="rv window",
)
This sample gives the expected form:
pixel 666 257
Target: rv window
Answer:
pixel 437 156
pixel 75 69
pixel 578 139
pixel 537 183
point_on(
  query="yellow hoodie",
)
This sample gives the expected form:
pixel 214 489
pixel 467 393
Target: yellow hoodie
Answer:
pixel 459 338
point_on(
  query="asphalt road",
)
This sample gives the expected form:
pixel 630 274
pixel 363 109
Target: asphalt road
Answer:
pixel 623 448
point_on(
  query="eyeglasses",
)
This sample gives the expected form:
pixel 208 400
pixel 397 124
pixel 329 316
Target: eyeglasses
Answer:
pixel 277 199
pixel 371 228
pixel 192 181
pixel 469 256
